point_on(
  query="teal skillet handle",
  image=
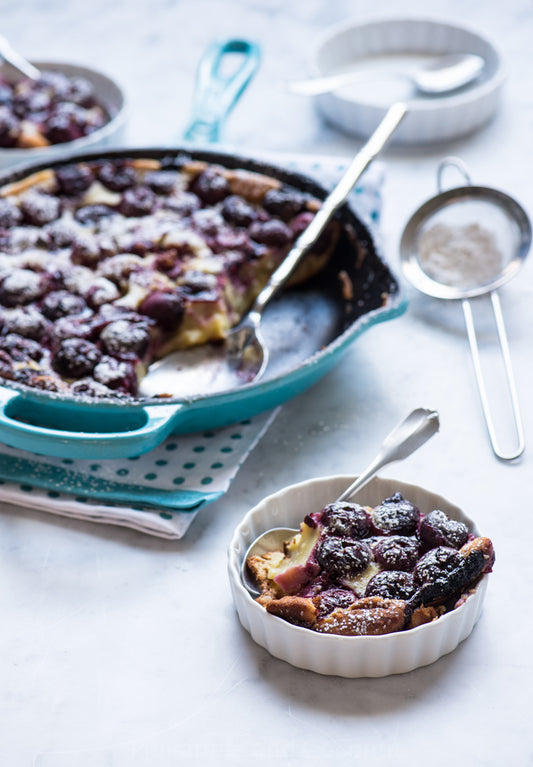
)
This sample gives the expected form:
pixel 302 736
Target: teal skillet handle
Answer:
pixel 217 93
pixel 68 432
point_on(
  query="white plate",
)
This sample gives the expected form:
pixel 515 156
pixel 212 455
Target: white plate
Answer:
pixel 406 43
pixel 108 93
pixel 359 656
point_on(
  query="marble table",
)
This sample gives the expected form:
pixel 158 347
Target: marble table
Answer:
pixel 119 649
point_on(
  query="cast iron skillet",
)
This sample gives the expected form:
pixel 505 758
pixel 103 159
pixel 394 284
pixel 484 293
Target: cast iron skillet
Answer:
pixel 307 328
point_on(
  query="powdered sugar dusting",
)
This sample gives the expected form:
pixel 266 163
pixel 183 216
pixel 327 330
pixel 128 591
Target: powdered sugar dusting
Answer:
pixel 460 256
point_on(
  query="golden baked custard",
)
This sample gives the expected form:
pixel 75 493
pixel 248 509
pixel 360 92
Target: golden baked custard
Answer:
pixel 107 265
pixel 355 570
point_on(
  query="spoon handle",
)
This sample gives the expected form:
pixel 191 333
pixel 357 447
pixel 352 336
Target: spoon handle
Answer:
pixel 17 61
pixel 218 88
pixel 407 437
pixel 333 201
pixel 318 85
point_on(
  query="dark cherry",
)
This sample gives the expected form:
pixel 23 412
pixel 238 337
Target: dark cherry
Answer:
pixel 73 179
pixel 342 557
pixel 397 516
pixel 229 240
pixel 301 222
pixel 199 286
pixel 161 181
pixel 210 186
pixel 184 204
pixel 19 238
pixel 437 564
pixel 208 221
pixel 123 337
pixel 20 349
pixel 437 529
pixel 331 599
pixel 273 233
pixel 443 572
pixel 21 286
pixel 118 267
pixel 85 250
pixel 59 234
pixel 138 201
pixel 10 214
pixel 9 128
pixel 165 308
pixel 91 214
pixel 102 291
pixel 397 552
pixel 6 365
pixel 34 106
pixel 316 585
pixel 70 327
pixel 66 125
pixel 116 374
pixel 347 519
pixel 80 91
pixel 61 303
pixel 88 387
pixel 237 211
pixel 75 358
pixel 391 584
pixel 40 208
pixel 27 321
pixel 284 203
pixel 56 84
pixel 117 177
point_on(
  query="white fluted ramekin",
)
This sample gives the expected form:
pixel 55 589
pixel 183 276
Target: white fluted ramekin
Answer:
pixel 358 656
pixel 108 93
pixel 428 120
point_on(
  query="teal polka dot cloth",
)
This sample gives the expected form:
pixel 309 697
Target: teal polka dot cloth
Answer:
pixel 160 493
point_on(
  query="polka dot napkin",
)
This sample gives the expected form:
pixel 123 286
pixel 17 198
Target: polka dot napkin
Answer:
pixel 159 493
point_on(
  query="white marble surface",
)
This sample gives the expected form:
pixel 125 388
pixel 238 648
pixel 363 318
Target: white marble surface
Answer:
pixel 119 650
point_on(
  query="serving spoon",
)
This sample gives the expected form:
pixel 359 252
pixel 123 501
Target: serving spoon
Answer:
pixel 18 62
pixel 442 75
pixel 403 440
pixel 243 356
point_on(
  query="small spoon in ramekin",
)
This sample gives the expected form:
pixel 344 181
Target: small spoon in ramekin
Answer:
pixel 403 440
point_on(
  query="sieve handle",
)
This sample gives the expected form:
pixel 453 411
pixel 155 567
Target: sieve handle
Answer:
pixel 452 162
pixel 504 344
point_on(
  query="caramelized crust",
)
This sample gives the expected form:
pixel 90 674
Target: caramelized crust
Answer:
pixel 370 616
pixel 297 610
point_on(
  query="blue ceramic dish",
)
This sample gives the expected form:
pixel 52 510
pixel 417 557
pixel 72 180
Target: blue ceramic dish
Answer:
pixel 67 426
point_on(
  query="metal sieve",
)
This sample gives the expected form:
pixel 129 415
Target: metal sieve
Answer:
pixel 463 243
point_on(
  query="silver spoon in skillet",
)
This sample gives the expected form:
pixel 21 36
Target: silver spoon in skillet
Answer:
pixel 243 356
pixel 443 75
pixel 403 440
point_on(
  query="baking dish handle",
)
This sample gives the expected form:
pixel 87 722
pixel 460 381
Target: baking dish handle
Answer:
pixel 217 92
pixel 68 431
